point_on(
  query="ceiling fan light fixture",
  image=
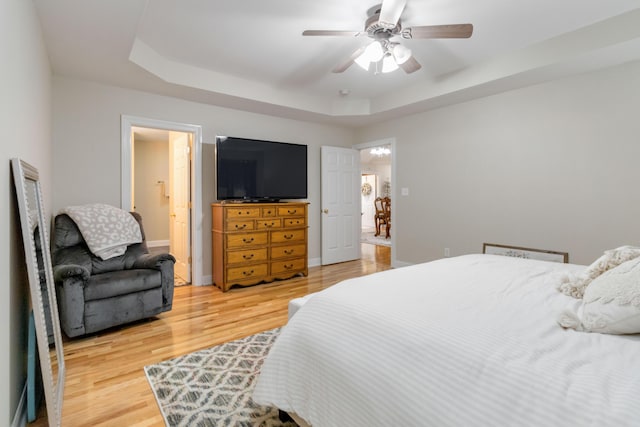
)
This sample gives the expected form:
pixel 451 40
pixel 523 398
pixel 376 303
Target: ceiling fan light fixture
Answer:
pixel 363 62
pixel 389 64
pixel 401 54
pixel 373 53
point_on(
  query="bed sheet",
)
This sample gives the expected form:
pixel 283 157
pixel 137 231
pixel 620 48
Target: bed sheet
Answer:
pixel 470 340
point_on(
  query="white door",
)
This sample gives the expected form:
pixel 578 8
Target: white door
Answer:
pixel 340 179
pixel 179 224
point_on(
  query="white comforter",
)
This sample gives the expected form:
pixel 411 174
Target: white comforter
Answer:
pixel 466 341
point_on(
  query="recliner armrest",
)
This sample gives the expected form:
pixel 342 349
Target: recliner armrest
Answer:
pixel 66 271
pixel 152 261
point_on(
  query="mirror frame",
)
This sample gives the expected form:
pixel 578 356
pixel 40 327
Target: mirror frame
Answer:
pixel 24 173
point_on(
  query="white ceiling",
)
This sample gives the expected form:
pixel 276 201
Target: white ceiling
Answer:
pixel 250 54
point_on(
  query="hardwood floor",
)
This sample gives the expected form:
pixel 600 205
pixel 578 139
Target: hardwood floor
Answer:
pixel 105 381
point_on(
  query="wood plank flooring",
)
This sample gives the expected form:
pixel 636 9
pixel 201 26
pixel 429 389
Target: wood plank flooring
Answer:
pixel 105 381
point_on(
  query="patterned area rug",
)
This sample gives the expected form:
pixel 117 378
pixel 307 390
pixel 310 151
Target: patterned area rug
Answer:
pixel 213 387
pixel 371 238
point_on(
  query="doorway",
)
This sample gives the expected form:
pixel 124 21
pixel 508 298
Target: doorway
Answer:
pixel 376 183
pixel 168 155
pixel 161 189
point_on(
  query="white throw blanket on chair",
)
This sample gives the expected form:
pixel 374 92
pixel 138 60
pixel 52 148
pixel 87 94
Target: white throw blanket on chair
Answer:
pixel 106 229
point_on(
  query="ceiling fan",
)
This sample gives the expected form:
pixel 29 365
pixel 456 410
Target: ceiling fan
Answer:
pixel 383 26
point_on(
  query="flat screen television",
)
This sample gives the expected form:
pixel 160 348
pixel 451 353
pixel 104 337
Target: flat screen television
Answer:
pixel 255 170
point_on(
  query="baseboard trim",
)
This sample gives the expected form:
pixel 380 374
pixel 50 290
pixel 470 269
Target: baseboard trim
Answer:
pixel 206 281
pixel 156 243
pixel 20 417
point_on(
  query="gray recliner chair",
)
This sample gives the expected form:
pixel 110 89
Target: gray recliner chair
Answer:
pixel 95 294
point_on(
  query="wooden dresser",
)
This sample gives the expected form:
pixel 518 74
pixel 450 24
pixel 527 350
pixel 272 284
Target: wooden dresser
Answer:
pixel 258 242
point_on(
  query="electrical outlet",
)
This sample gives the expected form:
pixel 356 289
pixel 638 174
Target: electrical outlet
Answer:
pixel 447 253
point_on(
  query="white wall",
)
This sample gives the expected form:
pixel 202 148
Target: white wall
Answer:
pixel 151 164
pixel 553 166
pixel 25 120
pixel 86 139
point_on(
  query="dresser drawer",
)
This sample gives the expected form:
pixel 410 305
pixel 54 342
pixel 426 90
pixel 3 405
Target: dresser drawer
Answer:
pixel 244 240
pixel 288 251
pixel 237 257
pixel 295 222
pixel 265 224
pixel 269 211
pixel 240 225
pixel 288 236
pixel 289 266
pixel 236 213
pixel 248 272
pixel 291 211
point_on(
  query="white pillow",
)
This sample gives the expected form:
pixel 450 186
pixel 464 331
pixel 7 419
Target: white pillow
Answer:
pixel 575 285
pixel 611 303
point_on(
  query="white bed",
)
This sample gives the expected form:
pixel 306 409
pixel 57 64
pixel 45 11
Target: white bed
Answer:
pixel 465 341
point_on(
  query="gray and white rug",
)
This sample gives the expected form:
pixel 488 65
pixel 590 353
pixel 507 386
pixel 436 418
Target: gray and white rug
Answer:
pixel 369 237
pixel 213 387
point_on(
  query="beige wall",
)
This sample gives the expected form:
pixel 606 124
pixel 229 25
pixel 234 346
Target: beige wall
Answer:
pixel 151 164
pixel 382 173
pixel 553 166
pixel 539 167
pixel 86 139
pixel 25 120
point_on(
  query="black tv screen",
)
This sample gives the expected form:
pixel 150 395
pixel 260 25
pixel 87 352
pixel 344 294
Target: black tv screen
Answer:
pixel 257 170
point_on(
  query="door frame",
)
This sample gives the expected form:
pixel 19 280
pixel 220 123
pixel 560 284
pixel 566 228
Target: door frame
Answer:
pixel 182 259
pixel 394 190
pixel 126 182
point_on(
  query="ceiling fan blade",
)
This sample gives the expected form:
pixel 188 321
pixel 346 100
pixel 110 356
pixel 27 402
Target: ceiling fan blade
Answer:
pixel 332 33
pixel 410 65
pixel 343 67
pixel 390 12
pixel 454 31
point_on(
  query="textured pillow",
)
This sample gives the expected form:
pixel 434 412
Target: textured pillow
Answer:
pixel 575 285
pixel 611 303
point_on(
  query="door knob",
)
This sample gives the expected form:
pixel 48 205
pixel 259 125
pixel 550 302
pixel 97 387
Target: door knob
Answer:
pixel 326 211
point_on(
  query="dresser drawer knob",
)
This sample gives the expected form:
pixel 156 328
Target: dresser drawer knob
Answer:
pixel 250 256
pixel 288 266
pixel 292 212
pixel 288 251
pixel 244 239
pixel 248 273
pixel 288 236
pixel 240 227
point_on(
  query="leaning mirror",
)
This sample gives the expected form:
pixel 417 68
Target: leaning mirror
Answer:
pixel 42 287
